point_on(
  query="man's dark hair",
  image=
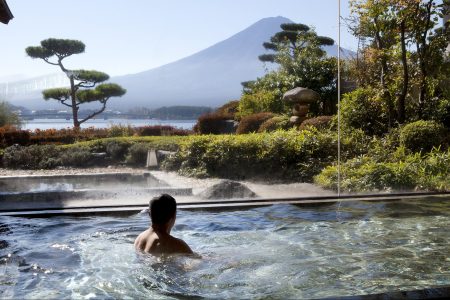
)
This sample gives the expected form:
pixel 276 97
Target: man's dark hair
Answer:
pixel 162 209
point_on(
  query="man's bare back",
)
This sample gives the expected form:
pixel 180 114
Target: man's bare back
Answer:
pixel 159 243
pixel 157 239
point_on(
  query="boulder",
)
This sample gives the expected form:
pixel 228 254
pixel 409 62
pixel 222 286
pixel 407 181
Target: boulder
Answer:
pixel 227 189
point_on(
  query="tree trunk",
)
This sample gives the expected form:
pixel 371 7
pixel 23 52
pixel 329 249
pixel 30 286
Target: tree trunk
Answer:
pixel 401 99
pixel 422 48
pixel 384 69
pixel 76 123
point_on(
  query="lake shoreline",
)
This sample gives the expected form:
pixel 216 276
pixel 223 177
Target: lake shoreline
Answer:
pixel 44 124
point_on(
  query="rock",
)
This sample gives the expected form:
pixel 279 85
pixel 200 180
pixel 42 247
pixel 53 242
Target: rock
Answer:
pixel 227 189
pixel 301 95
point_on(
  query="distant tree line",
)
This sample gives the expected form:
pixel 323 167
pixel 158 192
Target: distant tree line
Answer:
pixel 172 112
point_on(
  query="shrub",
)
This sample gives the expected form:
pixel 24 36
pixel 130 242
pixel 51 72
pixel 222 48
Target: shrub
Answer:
pixel 443 112
pixel 229 110
pixel 117 150
pixel 67 135
pixel 260 101
pixel 252 123
pixel 322 122
pixel 76 157
pixel 11 135
pixel 288 155
pixel 423 135
pixel 159 130
pixel 275 123
pixel 137 154
pixel 364 109
pixel 211 123
pixel 31 157
pixel 403 171
pixel 120 130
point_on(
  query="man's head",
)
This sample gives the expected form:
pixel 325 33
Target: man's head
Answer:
pixel 162 209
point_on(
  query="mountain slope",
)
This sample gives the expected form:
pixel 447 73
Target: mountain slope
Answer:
pixel 209 77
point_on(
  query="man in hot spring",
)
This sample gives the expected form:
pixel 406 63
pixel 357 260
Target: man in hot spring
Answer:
pixel 156 239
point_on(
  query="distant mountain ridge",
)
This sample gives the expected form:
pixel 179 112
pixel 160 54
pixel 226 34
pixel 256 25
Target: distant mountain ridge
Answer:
pixel 209 77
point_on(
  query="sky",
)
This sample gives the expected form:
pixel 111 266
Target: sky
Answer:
pixel 126 37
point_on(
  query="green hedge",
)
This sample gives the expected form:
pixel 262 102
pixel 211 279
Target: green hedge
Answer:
pixel 287 155
pixel 403 171
pixel 129 150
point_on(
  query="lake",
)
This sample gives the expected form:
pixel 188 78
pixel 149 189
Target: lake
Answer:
pixel 101 123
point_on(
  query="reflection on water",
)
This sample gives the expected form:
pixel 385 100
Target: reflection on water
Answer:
pixel 283 251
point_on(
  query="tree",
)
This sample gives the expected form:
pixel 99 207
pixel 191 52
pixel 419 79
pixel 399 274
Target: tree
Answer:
pixel 297 50
pixel 7 116
pixel 404 55
pixel 82 82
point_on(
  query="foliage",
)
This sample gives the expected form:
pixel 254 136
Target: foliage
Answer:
pixel 11 135
pixel 31 157
pixel 322 122
pixel 442 113
pixel 169 143
pixel 159 130
pixel 82 82
pixel 364 109
pixel 275 123
pixel 423 135
pixel 429 171
pixel 402 55
pixel 128 149
pixel 251 123
pixel 120 130
pixel 117 150
pixel 229 109
pixel 75 157
pixel 211 123
pixel 288 155
pixel 7 116
pixel 260 101
pixel 137 154
pixel 66 136
pixel 302 63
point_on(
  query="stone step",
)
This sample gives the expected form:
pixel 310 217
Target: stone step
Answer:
pixel 56 199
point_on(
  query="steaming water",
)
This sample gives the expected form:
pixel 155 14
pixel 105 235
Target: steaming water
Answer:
pixel 38 184
pixel 282 251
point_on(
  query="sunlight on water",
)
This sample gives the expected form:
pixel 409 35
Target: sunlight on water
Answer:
pixel 283 251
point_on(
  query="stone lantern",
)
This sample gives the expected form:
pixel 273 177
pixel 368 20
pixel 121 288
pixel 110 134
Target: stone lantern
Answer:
pixel 300 98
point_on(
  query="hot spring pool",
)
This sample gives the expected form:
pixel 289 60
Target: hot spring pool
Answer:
pixel 280 251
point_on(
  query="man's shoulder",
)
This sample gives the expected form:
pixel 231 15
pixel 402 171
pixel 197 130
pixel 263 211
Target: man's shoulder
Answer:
pixel 181 245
